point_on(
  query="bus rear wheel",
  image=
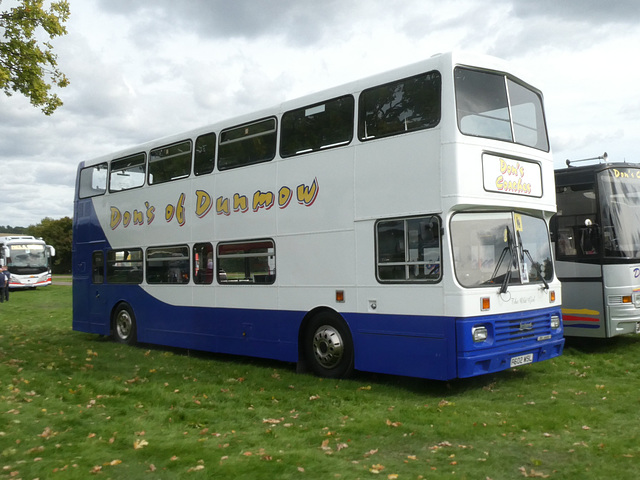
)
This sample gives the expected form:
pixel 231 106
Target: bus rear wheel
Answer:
pixel 124 325
pixel 328 346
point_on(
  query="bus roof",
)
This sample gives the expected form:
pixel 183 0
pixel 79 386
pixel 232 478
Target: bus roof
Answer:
pixel 586 174
pixel 19 238
pixel 443 61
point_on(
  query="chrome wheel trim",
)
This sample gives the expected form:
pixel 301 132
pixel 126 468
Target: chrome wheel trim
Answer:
pixel 124 324
pixel 328 347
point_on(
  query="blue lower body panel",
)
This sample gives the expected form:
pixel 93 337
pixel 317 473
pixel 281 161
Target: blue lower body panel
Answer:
pixel 512 339
pixel 420 346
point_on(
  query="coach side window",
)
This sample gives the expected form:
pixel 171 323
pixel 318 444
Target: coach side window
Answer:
pixel 317 127
pixel 204 156
pixel 399 107
pixel 97 267
pixel 124 266
pixel 168 264
pixel 247 144
pixel 171 162
pixel 93 181
pixel 408 250
pixel 203 263
pixel 576 236
pixel 252 262
pixel 127 173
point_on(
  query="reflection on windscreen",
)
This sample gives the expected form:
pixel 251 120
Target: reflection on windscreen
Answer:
pixel 500 249
pixel 620 211
pixel 28 256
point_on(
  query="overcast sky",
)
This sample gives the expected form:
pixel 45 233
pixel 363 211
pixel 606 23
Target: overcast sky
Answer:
pixel 144 69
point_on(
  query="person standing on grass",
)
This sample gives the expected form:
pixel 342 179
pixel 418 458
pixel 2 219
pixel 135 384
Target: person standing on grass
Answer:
pixel 3 282
pixel 7 276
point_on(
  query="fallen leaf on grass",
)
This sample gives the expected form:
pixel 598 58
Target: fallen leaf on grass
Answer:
pixel 273 421
pixel 48 433
pixel 140 443
pixel 532 473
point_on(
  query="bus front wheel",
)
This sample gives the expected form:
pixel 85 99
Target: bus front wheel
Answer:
pixel 124 325
pixel 329 346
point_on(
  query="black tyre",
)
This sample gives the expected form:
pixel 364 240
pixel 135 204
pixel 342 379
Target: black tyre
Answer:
pixel 328 346
pixel 124 325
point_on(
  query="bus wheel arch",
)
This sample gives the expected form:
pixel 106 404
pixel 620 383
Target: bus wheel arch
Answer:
pixel 123 324
pixel 326 344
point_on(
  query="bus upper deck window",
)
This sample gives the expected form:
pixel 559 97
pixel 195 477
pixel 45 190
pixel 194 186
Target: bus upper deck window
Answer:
pixel 491 105
pixel 204 156
pixel 399 107
pixel 247 144
pixel 317 127
pixel 127 173
pixel 170 163
pixel 92 181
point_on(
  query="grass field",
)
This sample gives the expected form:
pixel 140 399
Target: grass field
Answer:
pixel 77 406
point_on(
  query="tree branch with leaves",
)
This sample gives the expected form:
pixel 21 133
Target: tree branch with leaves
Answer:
pixel 27 64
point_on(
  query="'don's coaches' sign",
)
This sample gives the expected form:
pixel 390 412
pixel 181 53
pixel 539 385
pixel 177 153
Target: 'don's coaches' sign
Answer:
pixel 506 175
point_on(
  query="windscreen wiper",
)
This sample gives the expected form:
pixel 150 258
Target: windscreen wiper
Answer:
pixel 526 252
pixel 508 249
pixel 512 261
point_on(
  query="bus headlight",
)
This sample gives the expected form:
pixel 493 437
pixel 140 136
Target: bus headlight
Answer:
pixel 479 333
pixel 555 321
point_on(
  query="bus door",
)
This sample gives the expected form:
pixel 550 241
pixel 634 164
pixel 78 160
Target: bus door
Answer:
pixel 89 295
pixel 97 296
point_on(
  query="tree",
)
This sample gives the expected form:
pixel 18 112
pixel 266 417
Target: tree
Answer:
pixel 8 229
pixel 27 65
pixel 58 234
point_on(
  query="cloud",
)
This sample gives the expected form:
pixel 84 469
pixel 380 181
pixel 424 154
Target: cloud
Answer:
pixel 589 12
pixel 141 70
pixel 302 22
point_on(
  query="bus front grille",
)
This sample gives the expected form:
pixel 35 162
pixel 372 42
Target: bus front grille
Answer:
pixel 523 329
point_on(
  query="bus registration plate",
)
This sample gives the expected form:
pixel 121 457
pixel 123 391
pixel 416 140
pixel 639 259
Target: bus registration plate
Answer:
pixel 521 360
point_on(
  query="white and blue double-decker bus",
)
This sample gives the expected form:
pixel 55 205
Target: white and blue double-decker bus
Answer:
pixel 397 224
